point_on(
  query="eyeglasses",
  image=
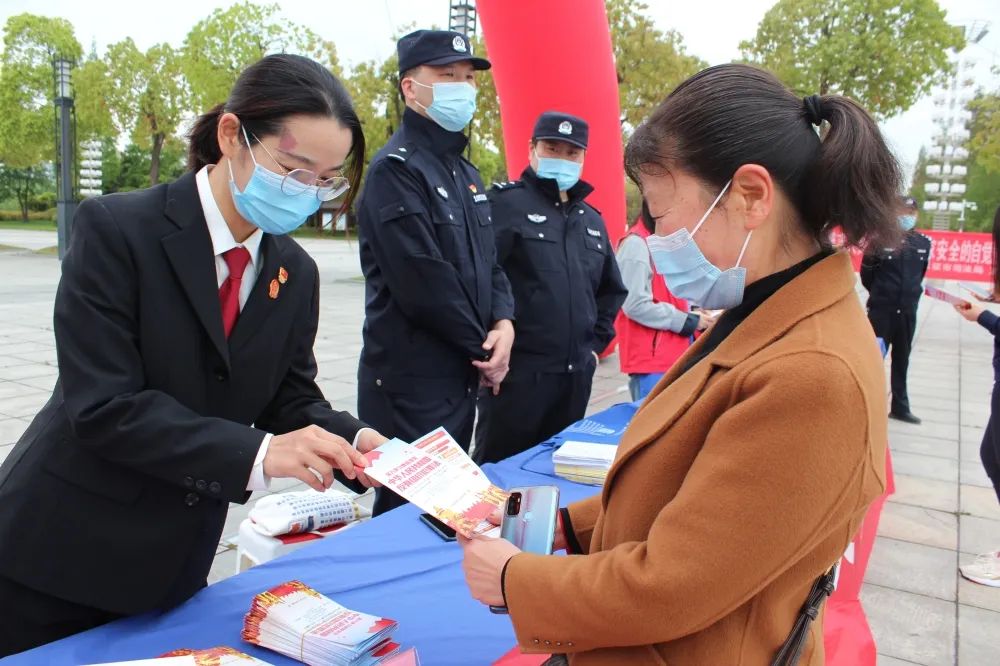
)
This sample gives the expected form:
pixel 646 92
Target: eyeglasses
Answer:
pixel 301 181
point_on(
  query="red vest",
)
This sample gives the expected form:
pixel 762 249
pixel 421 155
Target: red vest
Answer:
pixel 643 350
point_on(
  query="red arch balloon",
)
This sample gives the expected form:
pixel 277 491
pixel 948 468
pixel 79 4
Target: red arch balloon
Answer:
pixel 556 55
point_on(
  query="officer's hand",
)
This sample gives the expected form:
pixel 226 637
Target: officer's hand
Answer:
pixel 485 382
pixel 970 311
pixel 296 454
pixel 498 342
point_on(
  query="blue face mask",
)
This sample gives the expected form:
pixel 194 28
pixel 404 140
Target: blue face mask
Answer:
pixel 907 221
pixel 690 275
pixel 564 172
pixel 263 204
pixel 453 106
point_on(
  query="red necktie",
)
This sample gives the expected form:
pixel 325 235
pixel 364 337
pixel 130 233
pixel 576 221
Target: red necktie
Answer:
pixel 229 293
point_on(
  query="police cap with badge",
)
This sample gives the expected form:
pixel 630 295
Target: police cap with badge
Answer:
pixel 558 126
pixel 436 47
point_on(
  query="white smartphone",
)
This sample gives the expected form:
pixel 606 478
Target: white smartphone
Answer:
pixel 975 289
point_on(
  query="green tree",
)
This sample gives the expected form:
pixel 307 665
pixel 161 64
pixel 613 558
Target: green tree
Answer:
pixel 220 47
pixel 486 132
pixel 377 101
pixel 650 62
pixel 146 96
pixel 985 142
pixel 983 181
pixel 129 170
pixel 23 184
pixel 27 87
pixel 883 53
pixel 917 182
pixel 93 115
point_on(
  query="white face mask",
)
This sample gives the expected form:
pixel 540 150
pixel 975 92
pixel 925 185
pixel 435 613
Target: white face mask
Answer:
pixel 688 272
pixel 453 106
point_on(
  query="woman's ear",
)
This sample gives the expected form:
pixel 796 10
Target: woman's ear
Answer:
pixel 752 194
pixel 229 134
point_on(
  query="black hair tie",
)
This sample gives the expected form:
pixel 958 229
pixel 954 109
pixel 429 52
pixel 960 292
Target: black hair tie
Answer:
pixel 814 109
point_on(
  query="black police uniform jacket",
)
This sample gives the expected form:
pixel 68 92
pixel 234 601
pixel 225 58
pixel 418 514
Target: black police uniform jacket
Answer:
pixel 433 288
pixel 894 276
pixel 116 495
pixel 563 272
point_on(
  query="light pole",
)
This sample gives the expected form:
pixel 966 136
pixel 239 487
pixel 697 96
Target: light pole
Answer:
pixel 65 154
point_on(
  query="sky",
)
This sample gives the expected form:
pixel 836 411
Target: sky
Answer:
pixel 363 30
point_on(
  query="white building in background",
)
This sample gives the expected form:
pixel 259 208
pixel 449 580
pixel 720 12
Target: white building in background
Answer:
pixel 947 158
pixel 90 169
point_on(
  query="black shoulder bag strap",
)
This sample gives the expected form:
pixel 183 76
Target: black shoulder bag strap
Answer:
pixel 791 650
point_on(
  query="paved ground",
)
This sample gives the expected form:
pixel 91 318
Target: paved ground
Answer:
pixel 944 511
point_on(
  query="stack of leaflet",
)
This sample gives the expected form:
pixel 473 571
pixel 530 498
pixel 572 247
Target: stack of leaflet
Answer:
pixel 301 623
pixel 584 462
pixel 217 656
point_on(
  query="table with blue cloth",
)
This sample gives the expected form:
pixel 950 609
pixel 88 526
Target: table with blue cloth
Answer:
pixel 392 566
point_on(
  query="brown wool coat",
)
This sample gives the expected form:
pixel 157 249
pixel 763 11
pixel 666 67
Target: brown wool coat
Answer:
pixel 735 486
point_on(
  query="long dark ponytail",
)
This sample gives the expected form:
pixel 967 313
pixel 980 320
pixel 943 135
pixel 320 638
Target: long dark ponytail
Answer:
pixel 730 115
pixel 272 89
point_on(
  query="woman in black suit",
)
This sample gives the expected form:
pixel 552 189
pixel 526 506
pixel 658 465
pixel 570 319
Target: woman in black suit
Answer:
pixel 184 325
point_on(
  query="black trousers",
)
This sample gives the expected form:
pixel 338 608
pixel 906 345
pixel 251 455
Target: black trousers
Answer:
pixel 411 415
pixel 896 327
pixel 989 450
pixel 29 618
pixel 530 408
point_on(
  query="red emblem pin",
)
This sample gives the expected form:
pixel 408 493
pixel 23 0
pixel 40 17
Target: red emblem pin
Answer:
pixel 273 289
pixel 282 275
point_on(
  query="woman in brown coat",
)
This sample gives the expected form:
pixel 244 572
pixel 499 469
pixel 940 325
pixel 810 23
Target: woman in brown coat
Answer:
pixel 748 469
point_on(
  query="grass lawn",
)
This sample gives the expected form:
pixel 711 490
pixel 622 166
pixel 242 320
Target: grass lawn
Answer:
pixel 30 225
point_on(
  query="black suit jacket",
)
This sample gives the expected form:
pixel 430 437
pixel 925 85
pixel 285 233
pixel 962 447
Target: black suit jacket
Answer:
pixel 116 495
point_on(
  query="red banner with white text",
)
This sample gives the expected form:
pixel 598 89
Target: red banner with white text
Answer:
pixel 955 255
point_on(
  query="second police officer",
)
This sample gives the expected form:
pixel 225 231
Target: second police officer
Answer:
pixel 555 250
pixel 894 278
pixel 437 305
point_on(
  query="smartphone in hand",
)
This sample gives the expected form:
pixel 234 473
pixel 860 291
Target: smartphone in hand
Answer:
pixel 442 530
pixel 975 289
pixel 529 521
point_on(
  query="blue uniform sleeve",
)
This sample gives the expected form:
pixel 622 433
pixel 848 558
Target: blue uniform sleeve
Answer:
pixel 503 298
pixel 426 287
pixel 989 321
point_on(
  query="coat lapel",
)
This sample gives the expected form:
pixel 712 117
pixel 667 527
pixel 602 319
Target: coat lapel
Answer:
pixel 191 255
pixel 824 284
pixel 260 305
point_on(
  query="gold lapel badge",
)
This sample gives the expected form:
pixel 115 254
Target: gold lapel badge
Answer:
pixel 273 289
pixel 282 275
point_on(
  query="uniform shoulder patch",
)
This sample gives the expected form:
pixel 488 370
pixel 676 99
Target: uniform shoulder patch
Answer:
pixel 592 207
pixel 507 185
pixel 400 151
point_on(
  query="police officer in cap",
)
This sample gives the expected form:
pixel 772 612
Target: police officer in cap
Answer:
pixel 555 250
pixel 438 307
pixel 893 277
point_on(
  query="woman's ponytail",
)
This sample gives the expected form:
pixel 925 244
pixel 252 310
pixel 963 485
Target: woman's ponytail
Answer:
pixel 203 143
pixel 854 181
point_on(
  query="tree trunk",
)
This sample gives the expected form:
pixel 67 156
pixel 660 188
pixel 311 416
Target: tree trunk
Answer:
pixel 154 160
pixel 23 192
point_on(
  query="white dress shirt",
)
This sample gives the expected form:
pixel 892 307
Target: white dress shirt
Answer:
pixel 222 242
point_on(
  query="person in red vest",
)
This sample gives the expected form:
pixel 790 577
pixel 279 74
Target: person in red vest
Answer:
pixel 654 327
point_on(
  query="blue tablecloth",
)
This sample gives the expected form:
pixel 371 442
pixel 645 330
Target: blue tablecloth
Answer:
pixel 392 566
